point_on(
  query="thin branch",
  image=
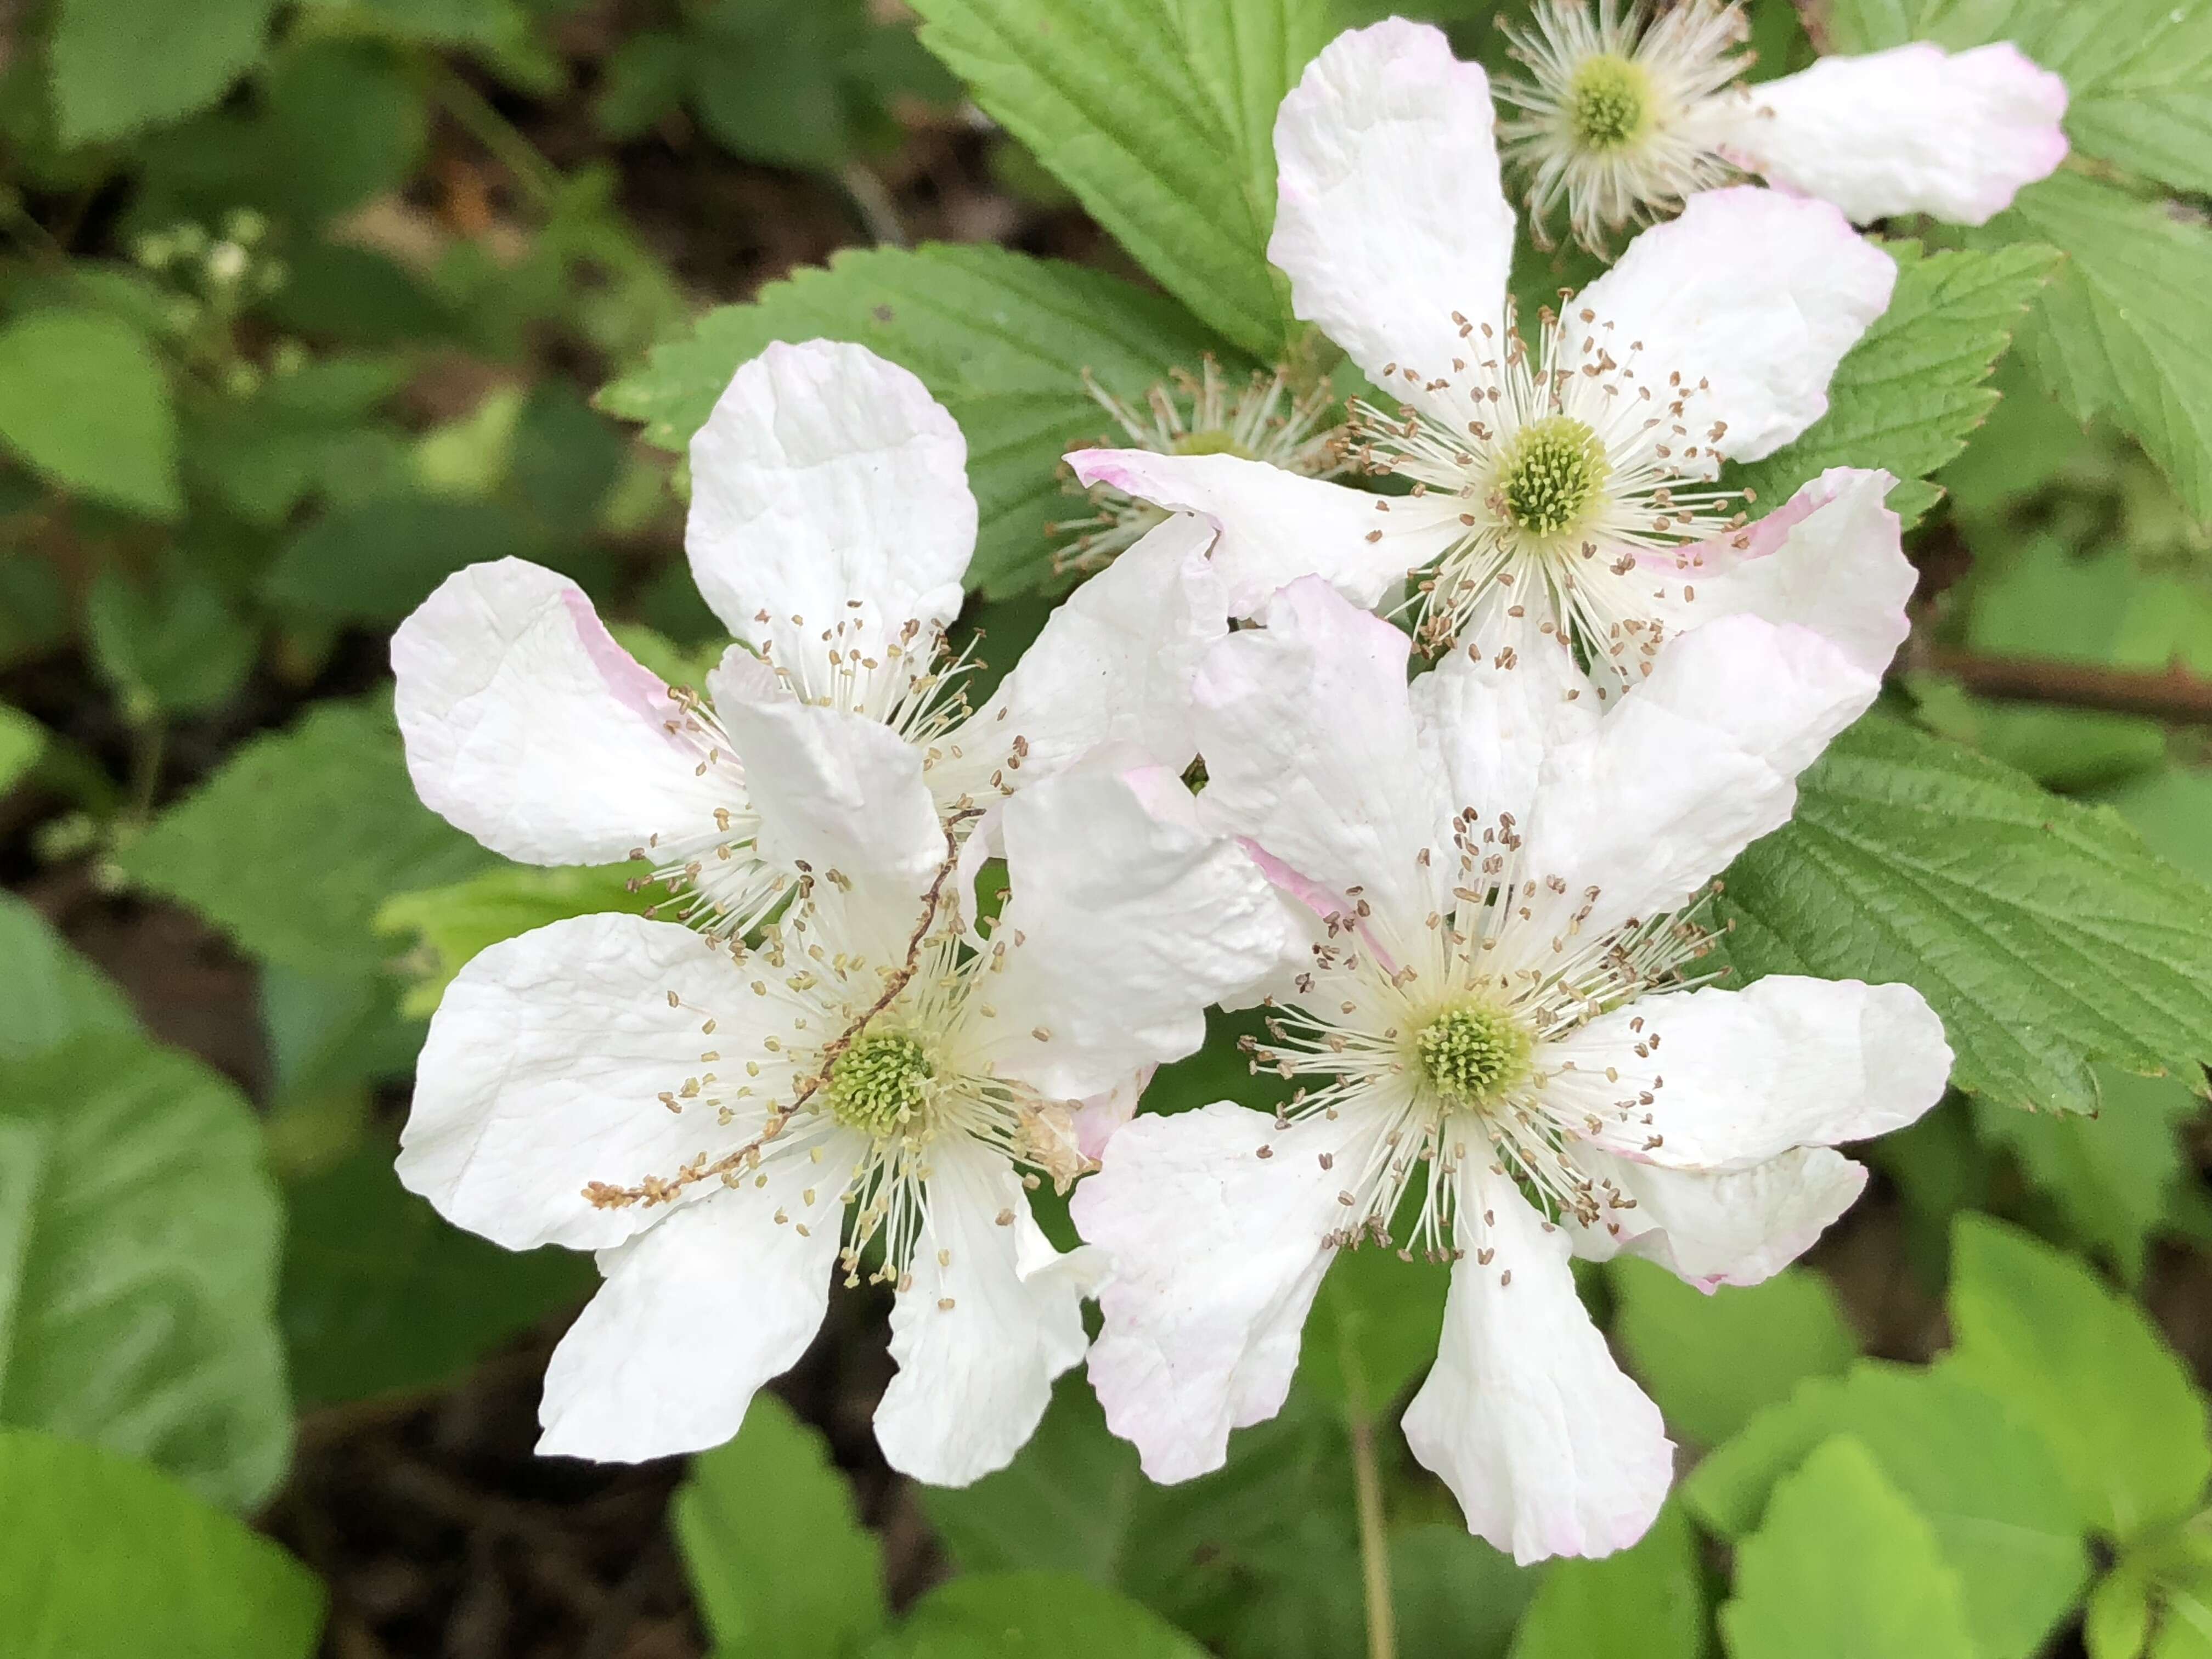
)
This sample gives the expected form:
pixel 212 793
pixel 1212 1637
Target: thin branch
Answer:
pixel 2171 693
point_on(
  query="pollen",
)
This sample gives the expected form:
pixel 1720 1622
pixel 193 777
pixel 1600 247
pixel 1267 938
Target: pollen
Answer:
pixel 1552 475
pixel 882 1084
pixel 1610 103
pixel 1472 1051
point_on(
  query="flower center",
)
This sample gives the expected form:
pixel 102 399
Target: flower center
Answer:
pixel 1213 441
pixel 1471 1053
pixel 1552 475
pixel 881 1085
pixel 1609 102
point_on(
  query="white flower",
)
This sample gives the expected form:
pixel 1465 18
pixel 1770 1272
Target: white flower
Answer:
pixel 1624 115
pixel 830 526
pixel 1562 489
pixel 872 1084
pixel 1493 1020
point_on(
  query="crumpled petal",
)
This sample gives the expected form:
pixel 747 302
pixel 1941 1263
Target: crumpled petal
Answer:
pixel 829 494
pixel 694 1317
pixel 1728 1227
pixel 530 728
pixel 991 1315
pixel 1549 1447
pixel 1740 1077
pixel 1490 724
pixel 1755 294
pixel 1389 215
pixel 545 1070
pixel 1912 129
pixel 1217 1253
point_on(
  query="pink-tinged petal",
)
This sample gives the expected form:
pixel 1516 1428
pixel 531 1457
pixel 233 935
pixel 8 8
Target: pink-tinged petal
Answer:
pixel 545 1069
pixel 1113 665
pixel 1739 1077
pixel 529 727
pixel 1831 560
pixel 1217 1253
pixel 1728 1227
pixel 1310 749
pixel 1098 1116
pixel 1547 1445
pixel 829 493
pixel 694 1317
pixel 1389 217
pixel 993 1313
pixel 1912 129
pixel 1123 927
pixel 1692 766
pixel 1277 526
pixel 1752 297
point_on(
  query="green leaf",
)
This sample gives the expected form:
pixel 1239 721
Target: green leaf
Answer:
pixel 1455 1597
pixel 51 993
pixel 999 338
pixel 292 846
pixel 83 400
pixel 1906 397
pixel 1843 1568
pixel 1711 1361
pixel 177 647
pixel 382 1297
pixel 138 1240
pixel 2173 812
pixel 1381 1315
pixel 1655 1587
pixel 1031 1615
pixel 1158 115
pixel 119 65
pixel 451 924
pixel 1984 1479
pixel 2088 1369
pixel 23 740
pixel 2123 330
pixel 378 561
pixel 781 1564
pixel 105 1558
pixel 2042 931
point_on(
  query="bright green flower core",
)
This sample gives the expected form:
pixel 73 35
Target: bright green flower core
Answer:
pixel 1212 441
pixel 1609 103
pixel 1553 475
pixel 1472 1051
pixel 881 1084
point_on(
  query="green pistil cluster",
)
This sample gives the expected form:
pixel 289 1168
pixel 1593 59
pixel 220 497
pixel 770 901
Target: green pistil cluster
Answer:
pixel 881 1085
pixel 1552 475
pixel 1472 1053
pixel 1609 103
pixel 1212 441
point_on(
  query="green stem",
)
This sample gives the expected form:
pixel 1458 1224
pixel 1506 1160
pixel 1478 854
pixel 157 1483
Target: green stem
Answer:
pixel 538 177
pixel 1367 1487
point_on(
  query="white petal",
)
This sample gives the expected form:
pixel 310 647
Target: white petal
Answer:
pixel 694 1316
pixel 1691 765
pixel 1549 1447
pixel 993 1315
pixel 837 791
pixel 1113 664
pixel 1728 1227
pixel 543 1071
pixel 1122 927
pixel 1743 1076
pixel 529 727
pixel 1912 129
pixel 826 475
pixel 1758 293
pixel 1276 526
pixel 1217 1253
pixel 1389 217
pixel 1490 726
pixel 1830 559
pixel 1310 749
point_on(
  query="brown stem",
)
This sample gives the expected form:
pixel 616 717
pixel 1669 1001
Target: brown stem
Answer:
pixel 2171 693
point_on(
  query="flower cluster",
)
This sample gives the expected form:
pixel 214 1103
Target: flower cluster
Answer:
pixel 1469 900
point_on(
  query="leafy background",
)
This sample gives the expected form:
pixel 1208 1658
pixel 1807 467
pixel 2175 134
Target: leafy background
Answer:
pixel 305 303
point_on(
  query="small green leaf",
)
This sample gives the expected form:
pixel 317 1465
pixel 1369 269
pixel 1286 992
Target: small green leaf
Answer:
pixel 1843 1568
pixel 1455 1597
pixel 1001 339
pixel 1711 1361
pixel 292 846
pixel 1381 1315
pixel 2118 1622
pixel 378 561
pixel 23 740
pixel 84 401
pixel 2042 931
pixel 1655 1587
pixel 1031 1615
pixel 2088 1368
pixel 780 1562
pixel 1907 395
pixel 105 1558
pixel 119 65
pixel 451 924
pixel 1158 114
pixel 138 1240
pixel 176 647
pixel 51 993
